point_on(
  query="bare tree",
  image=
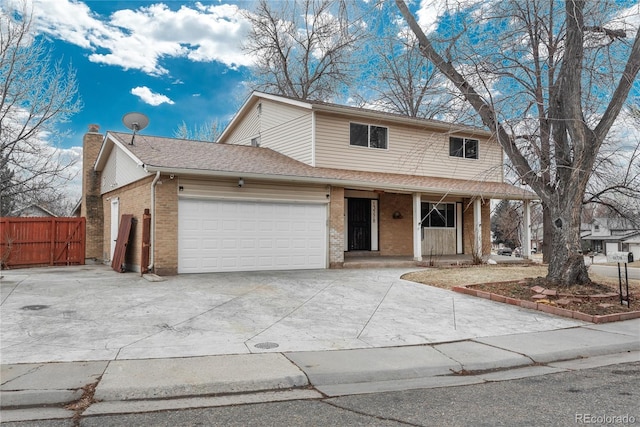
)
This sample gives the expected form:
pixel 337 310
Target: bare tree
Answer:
pixel 304 48
pixel 36 94
pixel 399 79
pixel 615 183
pixel 402 81
pixel 208 132
pixel 506 224
pixel 569 100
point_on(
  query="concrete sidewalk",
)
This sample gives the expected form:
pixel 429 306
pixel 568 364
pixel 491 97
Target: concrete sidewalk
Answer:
pixel 38 391
pixel 207 340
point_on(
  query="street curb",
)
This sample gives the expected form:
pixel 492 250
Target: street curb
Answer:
pixel 318 391
pixel 142 385
pixel 197 376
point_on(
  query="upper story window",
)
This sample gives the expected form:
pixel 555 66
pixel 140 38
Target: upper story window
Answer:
pixel 438 215
pixel 463 147
pixel 368 136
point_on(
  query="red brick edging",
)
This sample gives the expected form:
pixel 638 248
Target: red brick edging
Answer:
pixel 558 311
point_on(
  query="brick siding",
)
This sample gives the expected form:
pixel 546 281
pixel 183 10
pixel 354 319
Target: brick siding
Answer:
pixel 91 204
pixel 395 234
pixel 134 199
pixel 336 228
pixel 468 230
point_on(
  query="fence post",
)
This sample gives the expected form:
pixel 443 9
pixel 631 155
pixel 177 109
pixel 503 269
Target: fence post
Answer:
pixel 54 229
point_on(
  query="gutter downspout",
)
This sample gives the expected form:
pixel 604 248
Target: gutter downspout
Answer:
pixel 152 232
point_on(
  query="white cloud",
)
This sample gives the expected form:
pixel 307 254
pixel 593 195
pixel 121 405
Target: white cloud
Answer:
pixel 430 11
pixel 141 38
pixel 151 98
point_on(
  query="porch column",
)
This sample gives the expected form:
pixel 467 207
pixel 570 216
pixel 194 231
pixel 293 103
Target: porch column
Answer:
pixel 526 238
pixel 417 227
pixel 477 226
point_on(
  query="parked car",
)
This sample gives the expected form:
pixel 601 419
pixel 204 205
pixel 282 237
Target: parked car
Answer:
pixel 504 251
pixel 517 252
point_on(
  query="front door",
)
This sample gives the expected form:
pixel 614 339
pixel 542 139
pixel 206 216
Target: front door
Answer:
pixel 115 224
pixel 359 224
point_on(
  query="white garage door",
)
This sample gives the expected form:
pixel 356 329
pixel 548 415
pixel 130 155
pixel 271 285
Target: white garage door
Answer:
pixel 218 236
pixel 611 247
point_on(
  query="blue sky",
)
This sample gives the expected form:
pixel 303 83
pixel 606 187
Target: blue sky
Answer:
pixel 173 60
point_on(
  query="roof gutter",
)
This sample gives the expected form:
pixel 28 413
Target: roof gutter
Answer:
pixel 339 182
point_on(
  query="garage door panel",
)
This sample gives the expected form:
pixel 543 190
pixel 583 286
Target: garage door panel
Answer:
pixel 209 243
pixel 265 244
pixel 611 247
pixel 210 225
pixel 235 236
pixel 229 244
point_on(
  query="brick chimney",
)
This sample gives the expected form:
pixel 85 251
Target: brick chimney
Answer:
pixel 91 208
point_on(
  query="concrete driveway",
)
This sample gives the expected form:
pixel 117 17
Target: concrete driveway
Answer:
pixel 93 313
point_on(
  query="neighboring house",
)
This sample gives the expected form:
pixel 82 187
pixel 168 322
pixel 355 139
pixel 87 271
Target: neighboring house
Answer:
pixel 613 235
pixel 537 234
pixel 77 209
pixel 32 211
pixel 632 245
pixel 296 185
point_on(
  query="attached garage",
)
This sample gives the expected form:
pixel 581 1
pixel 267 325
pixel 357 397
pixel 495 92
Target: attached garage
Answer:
pixel 231 235
pixel 611 247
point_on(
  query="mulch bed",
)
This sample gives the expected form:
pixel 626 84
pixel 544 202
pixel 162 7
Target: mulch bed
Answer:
pixel 596 302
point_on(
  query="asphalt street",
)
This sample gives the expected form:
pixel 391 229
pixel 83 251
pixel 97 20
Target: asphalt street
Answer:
pixel 600 396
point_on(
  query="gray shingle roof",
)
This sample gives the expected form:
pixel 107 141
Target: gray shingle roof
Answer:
pixel 212 159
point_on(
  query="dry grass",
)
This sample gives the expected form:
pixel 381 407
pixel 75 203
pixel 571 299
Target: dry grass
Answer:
pixel 448 277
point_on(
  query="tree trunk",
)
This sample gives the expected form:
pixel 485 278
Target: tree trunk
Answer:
pixel 566 266
pixel 547 235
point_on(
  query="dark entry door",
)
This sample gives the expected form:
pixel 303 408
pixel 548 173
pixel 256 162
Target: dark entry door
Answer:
pixel 359 224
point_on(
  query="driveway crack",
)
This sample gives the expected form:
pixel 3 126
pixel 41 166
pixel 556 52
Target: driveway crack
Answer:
pixel 376 310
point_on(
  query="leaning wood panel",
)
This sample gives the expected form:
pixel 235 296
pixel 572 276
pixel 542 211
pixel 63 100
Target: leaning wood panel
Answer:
pixel 124 234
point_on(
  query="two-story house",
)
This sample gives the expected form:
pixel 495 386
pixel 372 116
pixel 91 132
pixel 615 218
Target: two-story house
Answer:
pixel 612 235
pixel 297 185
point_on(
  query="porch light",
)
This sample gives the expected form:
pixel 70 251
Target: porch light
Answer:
pixel 397 215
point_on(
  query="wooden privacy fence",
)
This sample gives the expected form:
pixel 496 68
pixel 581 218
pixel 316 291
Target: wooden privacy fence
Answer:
pixel 42 241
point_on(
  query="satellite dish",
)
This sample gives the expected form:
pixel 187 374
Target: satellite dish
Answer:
pixel 136 122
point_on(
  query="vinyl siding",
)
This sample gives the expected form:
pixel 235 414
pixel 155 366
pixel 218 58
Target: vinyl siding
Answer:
pixel 248 127
pixel 281 127
pixel 287 130
pixel 120 170
pixel 410 150
pixel 252 190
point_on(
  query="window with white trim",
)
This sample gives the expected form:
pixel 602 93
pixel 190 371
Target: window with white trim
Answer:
pixel 368 135
pixel 438 215
pixel 463 147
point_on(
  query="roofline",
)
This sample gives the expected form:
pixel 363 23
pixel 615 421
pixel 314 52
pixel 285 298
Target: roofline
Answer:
pixel 101 160
pixel 42 208
pixel 331 181
pixel 354 111
pixel 258 95
pixel 398 118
